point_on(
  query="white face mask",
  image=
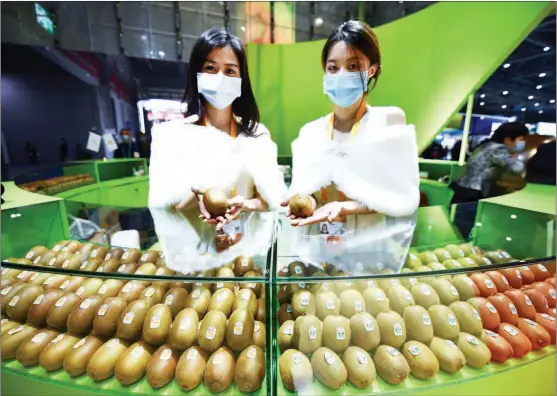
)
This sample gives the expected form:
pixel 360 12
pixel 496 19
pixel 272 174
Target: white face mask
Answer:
pixel 219 90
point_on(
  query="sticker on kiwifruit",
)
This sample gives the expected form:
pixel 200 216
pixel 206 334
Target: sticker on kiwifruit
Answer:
pixel 19 304
pixel 285 336
pixel 392 329
pixel 303 303
pixel 52 356
pixel 246 299
pixel 212 331
pixel 391 365
pixel 468 318
pixel 447 293
pixel 326 303
pixel 424 295
pixel 376 301
pixel 336 333
pixel 477 354
pixel 359 366
pixel 153 295
pixel 307 335
pixel 418 324
pixel 156 325
pixel 445 324
pixel 364 331
pixel 131 291
pixel 422 361
pixel 295 370
pixel 239 331
pixel 130 323
pixel 450 357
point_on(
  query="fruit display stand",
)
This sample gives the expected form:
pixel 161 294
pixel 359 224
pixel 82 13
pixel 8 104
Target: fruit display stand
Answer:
pixel 102 170
pixel 437 169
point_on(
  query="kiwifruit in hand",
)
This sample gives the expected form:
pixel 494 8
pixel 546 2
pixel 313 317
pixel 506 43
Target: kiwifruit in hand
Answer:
pixel 190 368
pixel 13 339
pixel 81 318
pixel 259 334
pixel 52 356
pixel 8 293
pixel 212 331
pixel 468 317
pixel 76 360
pixel 149 256
pixel 328 368
pixel 73 284
pixel 156 325
pixel 423 363
pixel 450 358
pixel 20 303
pixel 391 365
pixel 239 332
pixel 424 295
pixel 249 372
pixel 131 255
pixel 175 299
pixel 245 299
pixel 38 311
pixel 301 206
pixel 359 366
pixel 336 333
pixel 392 329
pixel 116 253
pixel 162 366
pixel 376 301
pixel 105 321
pixel 183 332
pixel 418 324
pixel 102 363
pixel 215 202
pixel 445 323
pixel 364 331
pixel 132 364
pixel 219 371
pixel 130 324
pixel 477 354
pixel 131 291
pixel 153 295
pixel 199 300
pixel 58 314
pixel 28 352
pixel 295 370
pixel 285 336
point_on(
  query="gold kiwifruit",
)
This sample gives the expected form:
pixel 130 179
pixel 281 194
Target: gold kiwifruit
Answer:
pixel 292 288
pixel 130 323
pixel 24 276
pixel 249 372
pixel 175 298
pixel 219 371
pixel 20 303
pixel 190 368
pixel 477 354
pixel 425 295
pixel 212 331
pixel 90 287
pixel 245 299
pixel 392 329
pixel 58 314
pixel 91 264
pixel 295 370
pixel 38 311
pixel 326 303
pixel 80 320
pixel 341 287
pixel 54 282
pixel 7 325
pixel 146 269
pixel 110 288
pixel 156 325
pixel 450 357
pixel 72 247
pixel 162 366
pixel 116 253
pixel 301 206
pixel 52 357
pixel 243 265
pixel 111 265
pixel 215 202
pixel 199 300
pixel 259 334
pixel 256 287
pixel 28 352
pixel 351 303
pixel 336 333
pixel 165 272
pixel 127 268
pixel 131 256
pixel 38 278
pixel 418 324
pixel 73 284
pixel 132 364
pixel 308 334
pixel 13 339
pixel 183 332
pixel 153 295
pixel 445 290
pixel 102 363
pixel 364 331
pixel 444 321
pixel 131 291
pixel 421 360
pixel 391 365
pixel 359 366
pixel 46 258
pixel 76 360
pixel 222 300
pixel 303 303
pixel 285 336
pixel 38 250
pixel 376 301
pixel 149 256
pixel 328 368
pixel 105 322
pixel 73 263
pixel 239 332
pixel 225 272
pixel 8 293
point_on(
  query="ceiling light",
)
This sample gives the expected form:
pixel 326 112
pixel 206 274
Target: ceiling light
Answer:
pixel 506 65
pixel 523 109
pixel 482 96
pixel 530 97
pixel 504 106
pixel 536 104
pixel 505 92
pixel 552 101
pixel 540 112
pixel 482 103
pixel 539 87
pixel 318 22
pixel 542 75
pixel 545 49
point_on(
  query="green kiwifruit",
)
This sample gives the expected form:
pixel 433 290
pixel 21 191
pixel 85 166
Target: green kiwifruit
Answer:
pixel 301 206
pixel 259 334
pixel 183 332
pixel 105 322
pixel 102 363
pixel 351 303
pixel 80 320
pixel 455 251
pixel 37 313
pixel 408 282
pixel 90 287
pixel 307 334
pixel 52 356
pixel 399 298
pixel 445 290
pixel 175 299
pixel 249 372
pixel 444 321
pixel 326 303
pixel 303 303
pixel 13 339
pixel 436 266
pixel 425 295
pixel 58 314
pixel 285 337
pixel 190 368
pixel 472 261
pixel 76 360
pixel 452 264
pixel 391 365
pixel 156 325
pixel 469 249
pixel 222 300
pixel 20 303
pixel 336 333
pixel 239 332
pixel 468 318
pixel 215 202
pixel 376 301
pixel 245 299
pixel 359 366
pixel 428 257
pixel 131 291
pixel 130 323
pixel 153 295
pixel 412 261
pixel 219 371
pixel 162 366
pixel 442 254
pixel 392 329
pixel 199 299
pixel 450 358
pixel 477 354
pixel 465 286
pixel 418 324
pixel 212 331
pixel 364 331
pixel 292 288
pixel 423 363
pixel 28 352
pixel 328 368
pixel 295 370
pixel 132 364
pixel 149 256
pixel 341 287
pixel 131 256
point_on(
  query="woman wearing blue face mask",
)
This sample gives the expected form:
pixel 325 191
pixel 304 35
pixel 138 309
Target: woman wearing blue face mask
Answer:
pixel 220 144
pixel 359 159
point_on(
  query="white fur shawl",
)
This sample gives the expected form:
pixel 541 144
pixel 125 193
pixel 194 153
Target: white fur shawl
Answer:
pixel 378 167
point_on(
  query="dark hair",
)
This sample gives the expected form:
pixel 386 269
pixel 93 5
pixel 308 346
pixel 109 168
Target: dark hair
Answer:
pixel 510 130
pixel 245 106
pixel 358 36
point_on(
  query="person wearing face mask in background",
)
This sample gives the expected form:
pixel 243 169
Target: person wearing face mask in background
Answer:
pixel 127 147
pixel 489 161
pixel 360 159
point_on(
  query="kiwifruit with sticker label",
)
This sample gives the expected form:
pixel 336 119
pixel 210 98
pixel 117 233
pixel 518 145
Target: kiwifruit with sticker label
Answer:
pixel 59 260
pixel 326 303
pixel 28 352
pixel 391 365
pixel 245 299
pixel 89 288
pixel 249 372
pixel 351 303
pixel 111 265
pixel 110 288
pixel 105 321
pixel 73 262
pixel 424 295
pixel 20 303
pixel 399 298
pixel 13 339
pixel 199 300
pixel 418 324
pixel 162 366
pixel 130 324
pixel 73 284
pixel 46 259
pixel 35 251
pixel 261 310
pixel 259 334
pixel 465 286
pixel 222 300
pixel 146 269
pixel 468 318
pixel 190 368
pixel 285 336
pixel 132 364
pixel 166 272
pixel 57 316
pixel 153 295
pixel 102 363
pixel 54 282
pixel 175 299
pixel 127 268
pixel 364 331
pixel 359 367
pixel 444 321
pixel 303 303
pixel 131 256
pixel 7 325
pixel 477 354
pixel 447 293
pixel 76 360
pixel 149 256
pixel 8 292
pixel 24 276
pixel 336 333
pixel 72 247
pixel 376 301
pixel 392 329
pixel 156 325
pixel 38 311
pixel 450 357
pixel 256 287
pixel 328 368
pixel 239 332
pixel 91 264
pixel 131 291
pixel 225 272
pixel 52 357
pixel 308 334
pixel 212 331
pixel 421 360
pixel 81 318
pixel 242 265
pixel 219 371
pixel 116 253
pixel 183 332
pixel 295 370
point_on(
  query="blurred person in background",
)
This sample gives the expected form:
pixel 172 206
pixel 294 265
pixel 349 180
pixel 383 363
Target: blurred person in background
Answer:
pixel 541 167
pixel 144 146
pixel 63 150
pixel 489 161
pixel 127 147
pixel 32 153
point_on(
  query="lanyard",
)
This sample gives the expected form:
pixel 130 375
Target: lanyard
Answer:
pixel 353 132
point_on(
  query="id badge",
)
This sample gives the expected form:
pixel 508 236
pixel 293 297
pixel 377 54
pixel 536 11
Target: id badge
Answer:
pixel 333 231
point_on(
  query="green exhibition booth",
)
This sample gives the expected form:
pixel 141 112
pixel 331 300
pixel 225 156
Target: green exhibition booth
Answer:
pixel 432 61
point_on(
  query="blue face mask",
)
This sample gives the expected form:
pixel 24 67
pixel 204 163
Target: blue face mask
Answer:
pixel 519 146
pixel 344 88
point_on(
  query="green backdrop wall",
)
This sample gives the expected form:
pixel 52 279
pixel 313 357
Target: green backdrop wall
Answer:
pixel 431 62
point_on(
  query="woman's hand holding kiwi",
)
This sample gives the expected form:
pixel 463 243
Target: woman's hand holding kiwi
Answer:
pixel 300 207
pixel 213 205
pixel 328 212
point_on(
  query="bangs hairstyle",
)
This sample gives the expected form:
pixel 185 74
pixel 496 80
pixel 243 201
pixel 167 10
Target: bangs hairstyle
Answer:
pixel 356 35
pixel 245 106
